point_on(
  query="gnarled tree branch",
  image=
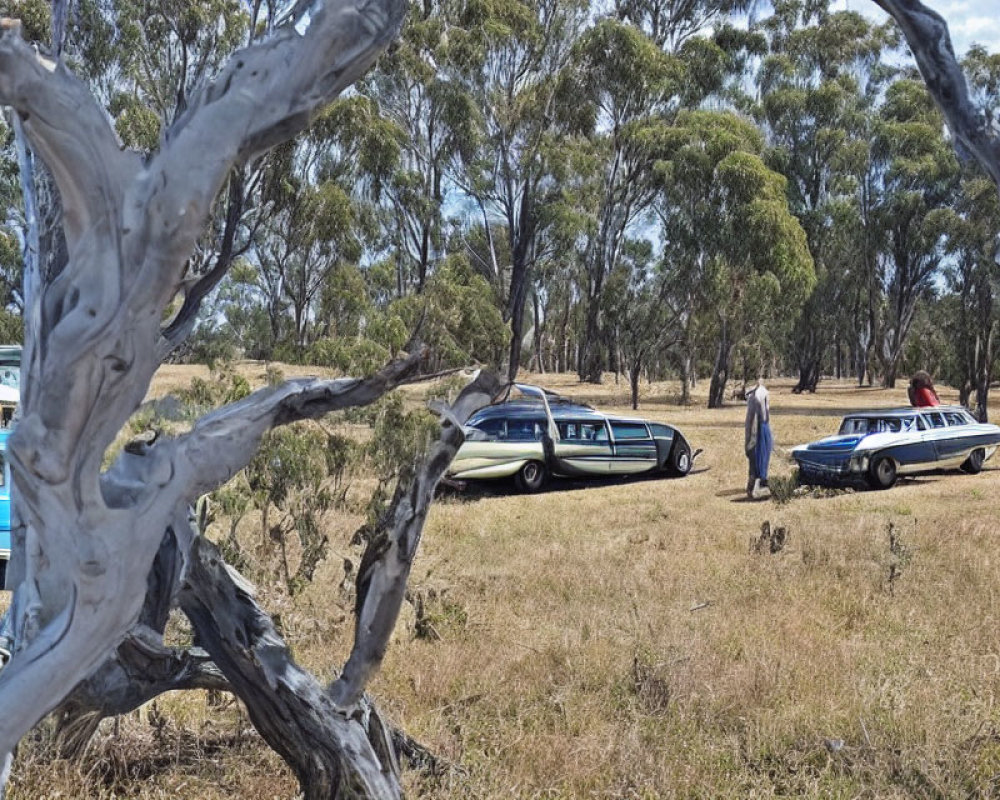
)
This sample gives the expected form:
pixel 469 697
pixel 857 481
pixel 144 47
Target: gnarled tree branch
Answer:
pixel 130 227
pixel 927 35
pixel 385 566
pixel 224 441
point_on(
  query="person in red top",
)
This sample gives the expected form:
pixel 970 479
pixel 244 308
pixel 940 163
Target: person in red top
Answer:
pixel 921 390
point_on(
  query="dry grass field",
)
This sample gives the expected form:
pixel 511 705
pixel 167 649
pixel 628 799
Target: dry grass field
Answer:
pixel 622 640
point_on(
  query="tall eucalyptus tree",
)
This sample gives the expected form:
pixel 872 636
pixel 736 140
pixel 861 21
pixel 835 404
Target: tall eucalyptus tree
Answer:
pixel 818 85
pixel 735 253
pixel 508 63
pixel 973 278
pixel 625 89
pixel 918 174
pixel 424 121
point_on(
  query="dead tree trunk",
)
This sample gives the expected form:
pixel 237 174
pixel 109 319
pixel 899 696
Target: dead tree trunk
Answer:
pixel 86 539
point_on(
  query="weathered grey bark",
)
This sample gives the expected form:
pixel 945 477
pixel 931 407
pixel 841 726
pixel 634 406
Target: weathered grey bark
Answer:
pixel 332 738
pixel 87 540
pixel 385 566
pixel 328 750
pixel 927 35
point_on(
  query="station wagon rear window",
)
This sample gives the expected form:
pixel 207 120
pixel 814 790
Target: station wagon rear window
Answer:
pixel 629 430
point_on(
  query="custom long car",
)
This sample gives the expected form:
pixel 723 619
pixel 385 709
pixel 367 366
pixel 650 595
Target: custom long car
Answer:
pixel 539 435
pixel 876 447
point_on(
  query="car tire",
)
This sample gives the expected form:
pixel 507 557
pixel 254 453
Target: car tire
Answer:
pixel 679 460
pixel 532 477
pixel 882 473
pixel 973 465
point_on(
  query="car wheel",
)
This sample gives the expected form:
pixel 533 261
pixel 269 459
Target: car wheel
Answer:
pixel 679 460
pixel 882 473
pixel 974 463
pixel 532 477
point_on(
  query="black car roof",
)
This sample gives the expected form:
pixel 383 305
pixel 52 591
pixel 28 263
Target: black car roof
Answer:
pixel 561 412
pixel 520 409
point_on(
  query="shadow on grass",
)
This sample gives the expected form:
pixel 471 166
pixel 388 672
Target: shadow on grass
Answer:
pixel 504 487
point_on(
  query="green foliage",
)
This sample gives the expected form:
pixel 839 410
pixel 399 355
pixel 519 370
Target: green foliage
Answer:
pixel 224 385
pixel 456 316
pixel 736 252
pixel 35 17
pixel 11 327
pixel 349 356
pixel 399 435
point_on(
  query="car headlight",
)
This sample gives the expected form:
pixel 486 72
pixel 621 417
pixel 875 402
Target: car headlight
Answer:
pixel 859 462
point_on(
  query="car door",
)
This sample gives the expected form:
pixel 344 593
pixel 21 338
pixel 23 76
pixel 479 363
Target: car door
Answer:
pixel 938 435
pixel 957 440
pixel 584 447
pixel 634 448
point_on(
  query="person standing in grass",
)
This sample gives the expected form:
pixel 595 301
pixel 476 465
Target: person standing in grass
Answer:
pixel 757 439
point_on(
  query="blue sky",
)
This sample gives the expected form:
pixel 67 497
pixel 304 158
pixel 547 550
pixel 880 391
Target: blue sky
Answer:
pixel 970 21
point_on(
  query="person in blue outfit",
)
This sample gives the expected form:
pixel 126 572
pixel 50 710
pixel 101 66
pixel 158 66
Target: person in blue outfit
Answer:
pixel 757 440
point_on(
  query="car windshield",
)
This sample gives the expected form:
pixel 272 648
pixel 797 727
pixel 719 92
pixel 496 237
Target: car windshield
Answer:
pixel 867 425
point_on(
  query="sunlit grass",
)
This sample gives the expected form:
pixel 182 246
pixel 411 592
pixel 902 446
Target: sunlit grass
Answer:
pixel 623 641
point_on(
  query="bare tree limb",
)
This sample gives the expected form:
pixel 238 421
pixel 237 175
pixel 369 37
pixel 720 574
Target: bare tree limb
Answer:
pixel 385 566
pixel 181 325
pixel 330 752
pixel 927 35
pixel 224 441
pixel 265 94
pixel 69 131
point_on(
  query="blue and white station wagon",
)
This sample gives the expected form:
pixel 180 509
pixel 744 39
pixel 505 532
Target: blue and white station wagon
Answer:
pixel 877 446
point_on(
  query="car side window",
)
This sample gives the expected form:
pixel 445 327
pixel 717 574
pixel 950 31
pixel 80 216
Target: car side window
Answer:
pixel 955 418
pixel 629 431
pixel 493 428
pixel 853 425
pixel 525 430
pixel 586 432
pixel 888 425
pixel 660 431
pixel 936 419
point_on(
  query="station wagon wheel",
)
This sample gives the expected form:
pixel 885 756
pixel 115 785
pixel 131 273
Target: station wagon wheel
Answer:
pixel 679 460
pixel 532 477
pixel 973 465
pixel 882 473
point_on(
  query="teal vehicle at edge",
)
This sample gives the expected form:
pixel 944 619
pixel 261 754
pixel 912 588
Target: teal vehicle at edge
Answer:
pixel 4 506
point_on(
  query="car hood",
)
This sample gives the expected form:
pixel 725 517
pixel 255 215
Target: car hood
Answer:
pixel 845 443
pixel 834 443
